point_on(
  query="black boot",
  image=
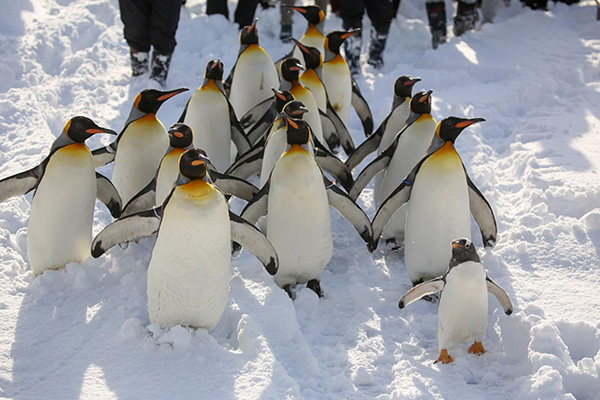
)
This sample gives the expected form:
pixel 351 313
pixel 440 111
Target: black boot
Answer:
pixel 466 16
pixel 139 62
pixel 436 12
pixel 286 33
pixel 160 67
pixel 376 47
pixel 536 4
pixel 352 49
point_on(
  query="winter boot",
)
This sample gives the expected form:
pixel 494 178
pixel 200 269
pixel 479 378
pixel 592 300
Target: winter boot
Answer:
pixel 466 16
pixel 376 47
pixel 352 48
pixel 436 12
pixel 160 67
pixel 286 33
pixel 536 4
pixel 139 62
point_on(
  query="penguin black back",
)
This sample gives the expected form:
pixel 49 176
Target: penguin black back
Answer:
pixel 180 135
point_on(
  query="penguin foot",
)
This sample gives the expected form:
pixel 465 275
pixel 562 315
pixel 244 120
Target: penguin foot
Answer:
pixel 315 286
pixel 288 290
pixel 477 348
pixel 444 357
pixel 432 298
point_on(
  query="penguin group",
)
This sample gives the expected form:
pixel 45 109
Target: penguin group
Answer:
pixel 268 119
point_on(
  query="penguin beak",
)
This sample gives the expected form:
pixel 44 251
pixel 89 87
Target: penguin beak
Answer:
pixel 350 33
pixel 469 122
pixel 303 48
pixel 457 245
pixel 169 94
pixel 425 97
pixel 299 9
pixel 252 27
pixel 412 82
pixel 93 131
pixel 279 95
pixel 290 121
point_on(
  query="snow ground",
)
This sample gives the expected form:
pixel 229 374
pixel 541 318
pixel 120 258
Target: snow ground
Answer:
pixel 83 332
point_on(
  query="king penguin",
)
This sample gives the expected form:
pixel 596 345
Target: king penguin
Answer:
pixel 253 75
pixel 342 89
pixel 391 125
pixel 297 198
pixel 313 36
pixel 396 162
pixel 463 309
pixel 190 268
pixel 66 186
pixel 140 146
pixel 442 197
pixel 211 116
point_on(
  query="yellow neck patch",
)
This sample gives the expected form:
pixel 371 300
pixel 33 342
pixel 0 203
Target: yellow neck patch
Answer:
pixel 210 85
pixel 446 155
pixel 197 189
pixel 296 149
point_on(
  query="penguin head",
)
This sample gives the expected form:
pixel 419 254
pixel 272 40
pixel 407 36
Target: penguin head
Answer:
pixel 149 101
pixel 180 135
pixel 298 132
pixel 313 14
pixel 282 98
pixel 294 109
pixel 421 103
pixel 334 40
pixel 214 70
pixel 79 129
pixel 463 250
pixel 404 84
pixel 312 56
pixel 249 34
pixel 290 69
pixel 449 128
pixel 193 164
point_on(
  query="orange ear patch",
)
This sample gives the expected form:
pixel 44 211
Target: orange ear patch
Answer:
pixel 195 163
pixel 464 124
pixel 178 134
pixel 167 96
pixel 347 35
pixel 302 10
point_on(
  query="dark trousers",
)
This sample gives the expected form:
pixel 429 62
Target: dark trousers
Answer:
pixel 380 13
pixel 244 13
pixel 150 23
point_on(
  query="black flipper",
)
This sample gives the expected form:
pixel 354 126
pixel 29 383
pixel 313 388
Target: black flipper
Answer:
pixel 144 200
pixel 105 155
pixel 370 145
pixel 238 136
pixel 362 109
pixel 233 185
pixel 329 132
pixel 344 136
pixel 257 113
pixel 107 194
pixel 183 114
pixel 20 184
pixel 482 211
pixel 249 164
pixel 350 210
pixel 499 294
pixel 132 227
pixel 335 167
pixel 258 205
pixel 251 238
pixel 375 167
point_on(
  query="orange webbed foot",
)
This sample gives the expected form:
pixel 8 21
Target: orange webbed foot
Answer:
pixel 477 348
pixel 444 357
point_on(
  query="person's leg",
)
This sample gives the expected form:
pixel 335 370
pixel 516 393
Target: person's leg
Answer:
pixel 217 7
pixel 436 12
pixel 244 13
pixel 286 21
pixel 352 14
pixel 135 15
pixel 380 13
pixel 466 16
pixel 165 18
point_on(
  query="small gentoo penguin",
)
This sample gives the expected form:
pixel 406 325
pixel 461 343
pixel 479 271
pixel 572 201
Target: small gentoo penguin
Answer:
pixel 181 138
pixel 334 129
pixel 253 75
pixel 463 309
pixel 190 269
pixel 66 186
pixel 290 80
pixel 140 146
pixel 213 120
pixel 391 125
pixel 342 89
pixel 442 199
pixel 297 198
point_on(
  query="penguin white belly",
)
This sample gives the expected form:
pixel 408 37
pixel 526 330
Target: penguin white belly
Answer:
pixel 337 80
pixel 412 146
pixel 312 117
pixel 189 274
pixel 299 220
pixel 62 212
pixel 255 75
pixel 311 80
pixel 140 150
pixel 462 315
pixel 274 148
pixel 167 175
pixel 208 115
pixel 438 212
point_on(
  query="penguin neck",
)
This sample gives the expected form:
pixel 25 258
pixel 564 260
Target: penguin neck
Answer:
pixel 197 189
pixel 399 100
pixel 210 84
pixel 447 153
pixel 312 30
pixel 135 114
pixel 310 75
pixel 337 58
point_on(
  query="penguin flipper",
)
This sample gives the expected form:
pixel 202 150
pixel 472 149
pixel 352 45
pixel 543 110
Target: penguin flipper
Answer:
pixel 329 132
pixel 248 165
pixel 334 166
pixel 238 136
pixel 20 184
pixel 184 113
pixel 500 294
pixel 258 205
pixel 350 210
pixel 260 129
pixel 344 136
pixel 482 211
pixel 233 185
pixel 375 167
pixel 251 238
pixel 256 113
pixel 144 200
pixel 367 147
pixel 105 155
pixel 423 289
pixel 107 194
pixel 362 109
pixel 131 227
pixel 387 210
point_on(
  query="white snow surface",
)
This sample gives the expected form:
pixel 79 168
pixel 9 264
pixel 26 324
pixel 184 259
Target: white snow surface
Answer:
pixel 84 331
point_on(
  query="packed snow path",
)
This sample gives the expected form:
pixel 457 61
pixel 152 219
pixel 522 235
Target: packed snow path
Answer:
pixel 83 331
